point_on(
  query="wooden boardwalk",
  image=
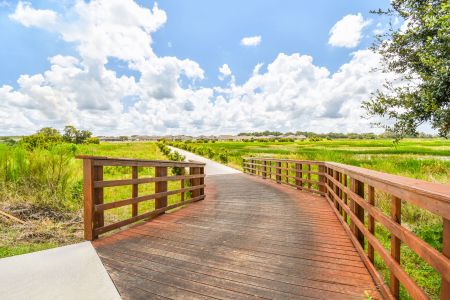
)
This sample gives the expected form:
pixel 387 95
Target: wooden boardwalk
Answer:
pixel 250 238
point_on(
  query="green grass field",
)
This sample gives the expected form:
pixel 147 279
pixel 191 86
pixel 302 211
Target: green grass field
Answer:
pixel 427 159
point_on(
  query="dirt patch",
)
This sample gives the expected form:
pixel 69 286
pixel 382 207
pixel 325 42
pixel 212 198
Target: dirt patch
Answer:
pixel 41 225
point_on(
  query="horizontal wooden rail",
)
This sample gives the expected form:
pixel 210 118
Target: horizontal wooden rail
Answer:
pixel 351 192
pixel 94 185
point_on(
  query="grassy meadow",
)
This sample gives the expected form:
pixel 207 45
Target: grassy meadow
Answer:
pixel 425 159
pixel 44 188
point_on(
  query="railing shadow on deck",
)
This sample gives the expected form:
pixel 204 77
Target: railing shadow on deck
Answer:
pixel 191 189
pixel 351 192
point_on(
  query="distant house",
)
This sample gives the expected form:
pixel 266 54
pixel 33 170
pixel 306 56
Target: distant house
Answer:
pixel 243 138
pixel 226 138
pixel 182 137
pixel 109 139
pixel 295 137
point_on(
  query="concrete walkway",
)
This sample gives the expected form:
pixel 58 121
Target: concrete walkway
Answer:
pixel 212 167
pixel 69 272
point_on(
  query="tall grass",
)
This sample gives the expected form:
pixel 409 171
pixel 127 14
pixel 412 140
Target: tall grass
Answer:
pixel 43 177
pixel 44 187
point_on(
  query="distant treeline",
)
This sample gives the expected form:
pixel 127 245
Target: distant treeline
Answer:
pixel 332 135
pixel 48 137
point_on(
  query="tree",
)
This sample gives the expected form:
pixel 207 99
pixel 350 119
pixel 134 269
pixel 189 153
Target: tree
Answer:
pixel 75 136
pixel 70 134
pixel 49 132
pixel 43 138
pixel 419 52
pixel 83 136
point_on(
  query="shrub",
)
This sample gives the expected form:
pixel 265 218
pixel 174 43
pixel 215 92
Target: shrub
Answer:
pixel 92 140
pixel 44 138
pixel 223 157
pixel 210 153
pixel 315 139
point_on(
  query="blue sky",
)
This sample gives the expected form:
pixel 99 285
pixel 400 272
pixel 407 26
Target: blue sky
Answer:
pixel 135 60
pixel 208 32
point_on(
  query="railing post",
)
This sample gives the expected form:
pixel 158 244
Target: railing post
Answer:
pixel 253 170
pixel 371 223
pixel 445 289
pixel 339 179
pixel 287 172
pixel 195 181
pixel 298 174
pixel 264 173
pixel 88 191
pixel 183 172
pixel 345 197
pixel 160 187
pixel 135 191
pixel 395 244
pixel 322 179
pixel 278 171
pixel 332 173
pixel 202 180
pixel 358 188
pixel 309 176
pixel 92 197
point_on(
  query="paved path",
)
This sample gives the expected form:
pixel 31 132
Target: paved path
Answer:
pixel 212 167
pixel 249 239
pixel 70 272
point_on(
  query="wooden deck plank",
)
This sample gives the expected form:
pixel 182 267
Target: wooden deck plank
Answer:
pixel 248 239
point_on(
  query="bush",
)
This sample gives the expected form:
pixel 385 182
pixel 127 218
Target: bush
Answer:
pixel 174 156
pixel 223 157
pixel 92 140
pixel 315 139
pixel 44 138
pixel 210 153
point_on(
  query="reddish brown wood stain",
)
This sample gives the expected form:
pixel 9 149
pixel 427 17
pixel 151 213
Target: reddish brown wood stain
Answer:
pixel 250 238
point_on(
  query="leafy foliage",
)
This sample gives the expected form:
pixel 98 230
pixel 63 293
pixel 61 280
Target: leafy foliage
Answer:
pixel 44 138
pixel 419 52
pixel 174 156
pixel 75 136
pixel 48 137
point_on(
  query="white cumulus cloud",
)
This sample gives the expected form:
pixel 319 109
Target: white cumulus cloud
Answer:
pixel 251 41
pixel 28 16
pixel 347 32
pixel 224 71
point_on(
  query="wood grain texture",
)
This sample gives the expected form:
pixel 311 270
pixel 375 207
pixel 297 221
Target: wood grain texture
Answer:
pixel 250 238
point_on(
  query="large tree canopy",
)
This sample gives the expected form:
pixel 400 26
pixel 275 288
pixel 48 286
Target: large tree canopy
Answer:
pixel 419 51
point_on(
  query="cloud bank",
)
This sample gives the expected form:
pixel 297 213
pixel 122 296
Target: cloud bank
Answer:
pixel 292 93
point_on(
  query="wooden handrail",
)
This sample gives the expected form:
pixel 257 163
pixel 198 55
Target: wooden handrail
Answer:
pixel 94 185
pixel 351 192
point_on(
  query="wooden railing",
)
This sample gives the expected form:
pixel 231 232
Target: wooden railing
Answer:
pixel 351 192
pixel 94 185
